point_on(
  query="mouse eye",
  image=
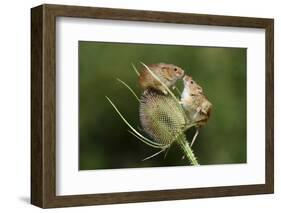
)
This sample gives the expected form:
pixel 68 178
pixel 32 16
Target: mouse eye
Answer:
pixel 191 82
pixel 175 69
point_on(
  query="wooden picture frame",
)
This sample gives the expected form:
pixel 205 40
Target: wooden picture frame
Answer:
pixel 43 105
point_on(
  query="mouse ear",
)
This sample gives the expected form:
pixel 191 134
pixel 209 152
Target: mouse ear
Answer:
pixel 164 68
pixel 200 89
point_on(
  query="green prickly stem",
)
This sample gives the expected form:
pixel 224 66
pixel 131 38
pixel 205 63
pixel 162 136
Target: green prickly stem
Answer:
pixel 184 144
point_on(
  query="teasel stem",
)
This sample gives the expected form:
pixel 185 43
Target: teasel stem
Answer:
pixel 178 91
pixel 184 144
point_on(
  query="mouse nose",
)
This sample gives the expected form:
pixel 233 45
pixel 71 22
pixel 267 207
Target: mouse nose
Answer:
pixel 180 73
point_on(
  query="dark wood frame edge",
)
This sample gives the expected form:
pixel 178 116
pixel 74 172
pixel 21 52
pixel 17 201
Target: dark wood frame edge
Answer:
pixel 43 167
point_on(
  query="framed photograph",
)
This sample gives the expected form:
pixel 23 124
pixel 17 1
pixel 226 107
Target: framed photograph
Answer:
pixel 136 106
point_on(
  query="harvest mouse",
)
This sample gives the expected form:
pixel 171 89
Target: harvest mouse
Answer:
pixel 167 73
pixel 195 103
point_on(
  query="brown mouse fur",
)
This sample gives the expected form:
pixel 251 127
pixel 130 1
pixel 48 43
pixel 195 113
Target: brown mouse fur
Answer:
pixel 195 102
pixel 167 73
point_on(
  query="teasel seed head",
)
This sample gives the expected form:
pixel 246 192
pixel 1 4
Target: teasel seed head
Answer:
pixel 161 117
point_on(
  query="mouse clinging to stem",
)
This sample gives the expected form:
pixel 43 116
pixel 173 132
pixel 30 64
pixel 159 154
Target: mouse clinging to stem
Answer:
pixel 167 74
pixel 195 103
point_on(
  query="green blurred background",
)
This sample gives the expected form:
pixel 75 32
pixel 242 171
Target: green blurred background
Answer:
pixel 105 143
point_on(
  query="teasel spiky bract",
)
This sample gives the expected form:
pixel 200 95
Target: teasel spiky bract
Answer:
pixel 162 118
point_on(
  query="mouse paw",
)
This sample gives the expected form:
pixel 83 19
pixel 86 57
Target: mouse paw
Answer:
pixel 165 92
